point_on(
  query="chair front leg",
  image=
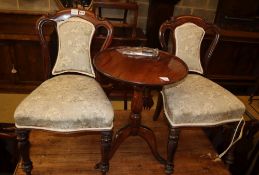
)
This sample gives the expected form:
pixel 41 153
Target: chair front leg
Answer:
pixel 24 149
pixel 106 141
pixel 172 144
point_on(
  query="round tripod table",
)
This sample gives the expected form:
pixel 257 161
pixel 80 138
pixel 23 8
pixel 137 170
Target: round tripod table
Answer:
pixel 141 72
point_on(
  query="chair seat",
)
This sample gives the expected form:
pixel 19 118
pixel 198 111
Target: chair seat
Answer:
pixel 66 103
pixel 197 101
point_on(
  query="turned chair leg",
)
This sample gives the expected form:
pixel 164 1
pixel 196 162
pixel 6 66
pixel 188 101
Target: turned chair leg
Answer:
pixel 229 158
pixel 24 149
pixel 106 141
pixel 158 107
pixel 173 138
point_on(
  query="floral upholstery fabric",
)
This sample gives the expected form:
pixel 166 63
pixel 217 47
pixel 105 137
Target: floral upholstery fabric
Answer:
pixel 197 101
pixel 66 103
pixel 75 36
pixel 188 41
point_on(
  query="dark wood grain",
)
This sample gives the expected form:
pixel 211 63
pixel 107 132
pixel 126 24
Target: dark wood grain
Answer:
pixel 238 15
pixel 54 154
pixel 20 51
pixel 141 70
pixel 19 45
pixel 24 147
pixel 158 12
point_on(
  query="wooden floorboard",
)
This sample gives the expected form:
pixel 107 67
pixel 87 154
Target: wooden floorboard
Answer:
pixel 54 154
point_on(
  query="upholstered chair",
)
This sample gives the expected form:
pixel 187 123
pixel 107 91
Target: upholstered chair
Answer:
pixel 195 101
pixel 72 100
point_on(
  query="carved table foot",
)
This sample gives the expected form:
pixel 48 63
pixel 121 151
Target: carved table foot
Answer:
pixel 148 135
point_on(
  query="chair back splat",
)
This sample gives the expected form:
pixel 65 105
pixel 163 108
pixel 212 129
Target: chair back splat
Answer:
pixel 188 33
pixel 62 17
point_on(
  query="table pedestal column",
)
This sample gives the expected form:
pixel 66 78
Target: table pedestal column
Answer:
pixel 134 128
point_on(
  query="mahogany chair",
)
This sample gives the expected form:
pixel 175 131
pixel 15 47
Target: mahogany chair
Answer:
pixel 196 101
pixel 72 101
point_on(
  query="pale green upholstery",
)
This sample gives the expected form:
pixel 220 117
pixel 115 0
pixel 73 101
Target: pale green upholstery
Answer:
pixel 72 101
pixel 194 101
pixel 188 39
pixel 75 36
pixel 66 103
pixel 197 101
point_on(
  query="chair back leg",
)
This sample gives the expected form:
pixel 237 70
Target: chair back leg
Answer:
pixel 24 149
pixel 158 107
pixel 229 157
pixel 172 144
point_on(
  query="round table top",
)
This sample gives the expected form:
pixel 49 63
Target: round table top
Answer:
pixel 140 70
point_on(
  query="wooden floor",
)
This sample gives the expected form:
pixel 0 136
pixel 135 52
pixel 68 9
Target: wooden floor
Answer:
pixel 76 155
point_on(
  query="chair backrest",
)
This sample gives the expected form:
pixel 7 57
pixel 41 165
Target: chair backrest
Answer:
pixel 122 21
pixel 187 35
pixel 75 29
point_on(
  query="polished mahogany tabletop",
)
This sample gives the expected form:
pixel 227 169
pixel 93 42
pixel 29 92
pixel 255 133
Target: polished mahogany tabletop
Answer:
pixel 140 70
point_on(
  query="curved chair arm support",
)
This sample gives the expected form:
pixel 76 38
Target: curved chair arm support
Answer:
pixel 162 31
pixel 41 22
